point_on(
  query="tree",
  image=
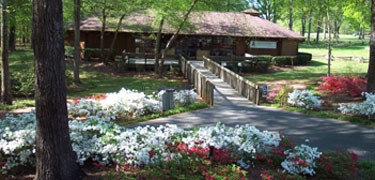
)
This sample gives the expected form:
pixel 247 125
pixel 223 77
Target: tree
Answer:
pixel 6 92
pixel 77 47
pixel 291 15
pixel 371 66
pixel 269 9
pixel 55 158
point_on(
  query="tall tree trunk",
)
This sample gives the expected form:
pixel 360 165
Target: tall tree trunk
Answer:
pixel 175 34
pixel 12 38
pixel 115 37
pixel 309 27
pixel 318 27
pixel 325 29
pixel 360 33
pixel 102 52
pixel 24 35
pixel 6 92
pixel 329 40
pixel 371 65
pixel 335 30
pixel 55 158
pixel 157 46
pixel 291 15
pixel 303 24
pixel 77 48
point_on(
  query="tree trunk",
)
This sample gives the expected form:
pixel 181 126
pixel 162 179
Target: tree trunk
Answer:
pixel 12 38
pixel 329 41
pixel 55 158
pixel 309 27
pixel 102 52
pixel 360 33
pixel 291 15
pixel 318 30
pixel 157 46
pixel 371 65
pixel 325 30
pixel 174 36
pixel 77 49
pixel 6 92
pixel 115 37
pixel 303 24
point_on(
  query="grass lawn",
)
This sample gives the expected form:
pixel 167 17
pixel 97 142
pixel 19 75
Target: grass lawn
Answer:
pixel 312 72
pixel 318 67
pixel 347 45
pixel 93 82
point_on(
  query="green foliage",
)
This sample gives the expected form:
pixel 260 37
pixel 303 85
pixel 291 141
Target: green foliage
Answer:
pixel 367 169
pixel 23 83
pixel 282 96
pixel 284 60
pixel 94 53
pixel 337 165
pixel 300 59
pixel 303 58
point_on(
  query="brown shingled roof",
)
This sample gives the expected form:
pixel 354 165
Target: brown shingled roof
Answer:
pixel 235 24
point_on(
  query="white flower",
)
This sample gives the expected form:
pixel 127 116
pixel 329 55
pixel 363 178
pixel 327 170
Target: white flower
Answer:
pixel 366 108
pixel 304 99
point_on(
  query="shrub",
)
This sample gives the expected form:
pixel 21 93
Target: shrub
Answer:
pixel 337 165
pixel 23 83
pixel 304 99
pixel 303 58
pixel 353 86
pixel 301 160
pixel 300 59
pixel 366 108
pixel 69 51
pixel 94 53
pixel 281 96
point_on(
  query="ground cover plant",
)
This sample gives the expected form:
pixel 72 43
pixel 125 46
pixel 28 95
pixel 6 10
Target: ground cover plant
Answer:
pixel 169 152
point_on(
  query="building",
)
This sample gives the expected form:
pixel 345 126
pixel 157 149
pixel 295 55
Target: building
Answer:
pixel 209 33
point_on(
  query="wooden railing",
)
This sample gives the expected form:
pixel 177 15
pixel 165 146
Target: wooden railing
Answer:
pixel 204 87
pixel 245 87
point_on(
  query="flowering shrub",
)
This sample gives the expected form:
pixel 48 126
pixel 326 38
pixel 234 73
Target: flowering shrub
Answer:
pixel 301 160
pixel 124 104
pixel 304 99
pixel 337 165
pixel 354 86
pixel 366 108
pixel 279 96
pixel 105 142
pixel 184 97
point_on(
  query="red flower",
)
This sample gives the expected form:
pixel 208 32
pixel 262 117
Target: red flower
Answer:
pixel 2 164
pixel 151 153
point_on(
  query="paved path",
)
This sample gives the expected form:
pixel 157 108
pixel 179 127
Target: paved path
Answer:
pixel 231 109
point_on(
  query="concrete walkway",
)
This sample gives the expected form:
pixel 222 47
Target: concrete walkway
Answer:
pixel 231 109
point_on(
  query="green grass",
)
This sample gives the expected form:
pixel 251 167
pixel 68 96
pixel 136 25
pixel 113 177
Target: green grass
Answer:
pixel 323 114
pixel 177 110
pixel 318 67
pixel 93 82
pixel 347 45
pixel 312 72
pixel 18 103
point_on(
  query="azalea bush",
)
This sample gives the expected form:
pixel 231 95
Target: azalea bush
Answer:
pixel 366 108
pixel 105 142
pixel 279 96
pixel 338 165
pixel 304 99
pixel 125 104
pixel 352 86
pixel 301 160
